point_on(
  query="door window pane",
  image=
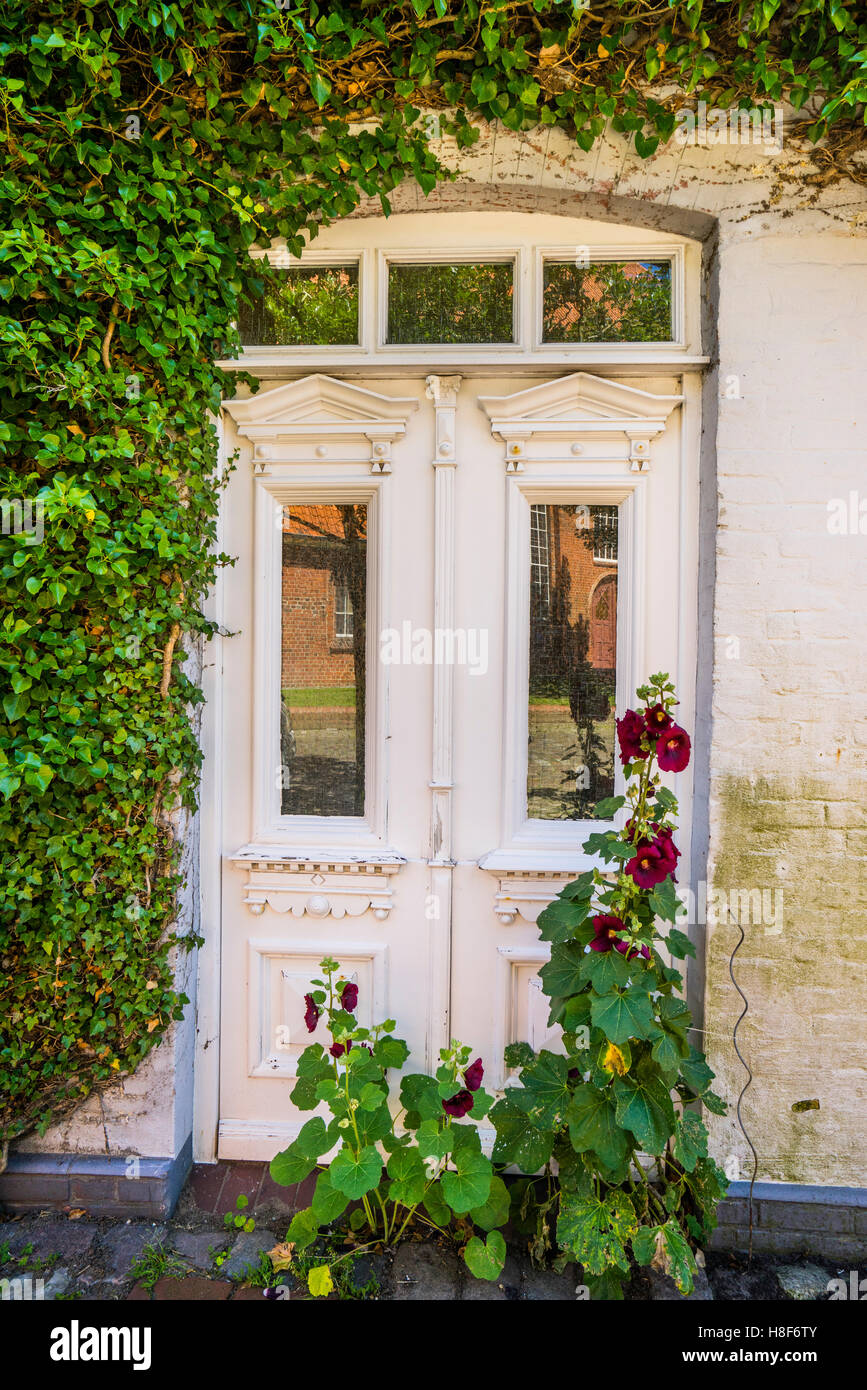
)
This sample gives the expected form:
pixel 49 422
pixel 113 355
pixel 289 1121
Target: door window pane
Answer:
pixel 573 645
pixel 607 302
pixel 310 306
pixel 437 303
pixel 323 667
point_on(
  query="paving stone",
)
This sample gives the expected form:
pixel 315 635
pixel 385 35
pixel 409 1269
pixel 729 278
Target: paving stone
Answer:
pixel 195 1289
pixel 121 1246
pixel 664 1290
pixel 57 1285
pixel 71 1240
pixel 734 1285
pixel 425 1273
pixel 206 1183
pixel 546 1286
pixel 365 1268
pixel 803 1281
pixel 242 1180
pixel 504 1289
pixel 195 1246
pixel 249 1296
pixel 246 1251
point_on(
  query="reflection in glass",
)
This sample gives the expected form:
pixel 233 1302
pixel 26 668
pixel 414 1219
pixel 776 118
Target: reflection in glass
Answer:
pixel 307 305
pixel 323 669
pixel 607 302
pixel 573 646
pixel 464 303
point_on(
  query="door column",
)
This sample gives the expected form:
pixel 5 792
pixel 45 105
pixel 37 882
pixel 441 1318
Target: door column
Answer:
pixel 443 391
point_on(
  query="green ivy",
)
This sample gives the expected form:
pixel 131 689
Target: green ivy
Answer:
pixel 146 145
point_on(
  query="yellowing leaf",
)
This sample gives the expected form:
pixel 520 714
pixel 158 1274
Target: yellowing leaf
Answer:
pixel 152 1024
pixel 602 51
pixel 282 1255
pixel 319 1281
pixel 614 1061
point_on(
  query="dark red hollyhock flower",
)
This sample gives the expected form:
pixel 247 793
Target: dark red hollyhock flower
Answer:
pixel 458 1105
pixel 672 749
pixel 630 950
pixel 629 731
pixel 657 719
pixel 573 1073
pixel 338 1049
pixel 605 927
pixel 664 842
pixel 473 1075
pixel 349 997
pixel 649 866
pixel 311 1016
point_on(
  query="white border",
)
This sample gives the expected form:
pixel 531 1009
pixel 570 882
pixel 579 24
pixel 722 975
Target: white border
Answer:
pixel 674 254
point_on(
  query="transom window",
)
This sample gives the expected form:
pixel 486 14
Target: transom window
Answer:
pixel 525 299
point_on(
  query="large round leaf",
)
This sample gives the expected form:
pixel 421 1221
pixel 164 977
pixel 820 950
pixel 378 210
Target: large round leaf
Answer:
pixel 495 1211
pixel 485 1258
pixel 328 1203
pixel 291 1167
pixel 518 1140
pixel 407 1172
pixel 356 1174
pixel 470 1184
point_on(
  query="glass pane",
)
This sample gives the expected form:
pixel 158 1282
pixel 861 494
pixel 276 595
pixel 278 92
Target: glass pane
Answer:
pixel 322 672
pixel 450 303
pixel 310 305
pixel 573 645
pixel 607 302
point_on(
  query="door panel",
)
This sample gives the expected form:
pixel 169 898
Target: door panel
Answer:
pixel 442 587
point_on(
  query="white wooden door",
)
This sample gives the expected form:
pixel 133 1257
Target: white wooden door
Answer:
pixel 443 585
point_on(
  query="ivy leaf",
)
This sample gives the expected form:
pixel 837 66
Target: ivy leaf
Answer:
pixel 596 1231
pixel 594 1127
pixel 485 1258
pixel 320 88
pixel 356 1174
pixel 470 1184
pixel 518 1140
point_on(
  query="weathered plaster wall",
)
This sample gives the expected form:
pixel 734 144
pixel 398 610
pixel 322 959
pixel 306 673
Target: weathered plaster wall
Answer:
pixel 781 736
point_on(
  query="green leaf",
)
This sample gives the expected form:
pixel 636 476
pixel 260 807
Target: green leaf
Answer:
pixel 495 1211
pixel 390 1052
pixel 608 808
pixel 435 1205
pixel 679 945
pixel 622 1016
pixel 518 1140
pixel 421 1094
pixel 605 969
pixel 313 1138
pixel 356 1174
pixel 407 1172
pixel 545 1091
pixel 594 1127
pixel 485 1258
pixel 434 1140
pixel 470 1184
pixel 696 1073
pixel 303 1228
pixel 291 1166
pixel 561 975
pixel 690 1140
pixel 519 1054
pixel 557 922
pixel 645 1108
pixel 320 88
pixel 596 1231
pixel 328 1203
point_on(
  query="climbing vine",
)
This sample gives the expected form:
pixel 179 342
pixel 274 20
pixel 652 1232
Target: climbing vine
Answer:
pixel 146 146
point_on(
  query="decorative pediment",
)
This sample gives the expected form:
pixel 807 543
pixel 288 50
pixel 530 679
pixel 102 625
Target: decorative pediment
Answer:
pixel 319 883
pixel 578 415
pixel 321 417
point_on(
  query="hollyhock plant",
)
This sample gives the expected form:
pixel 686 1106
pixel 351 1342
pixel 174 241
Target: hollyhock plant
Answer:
pixel 419 1162
pixel 627 1081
